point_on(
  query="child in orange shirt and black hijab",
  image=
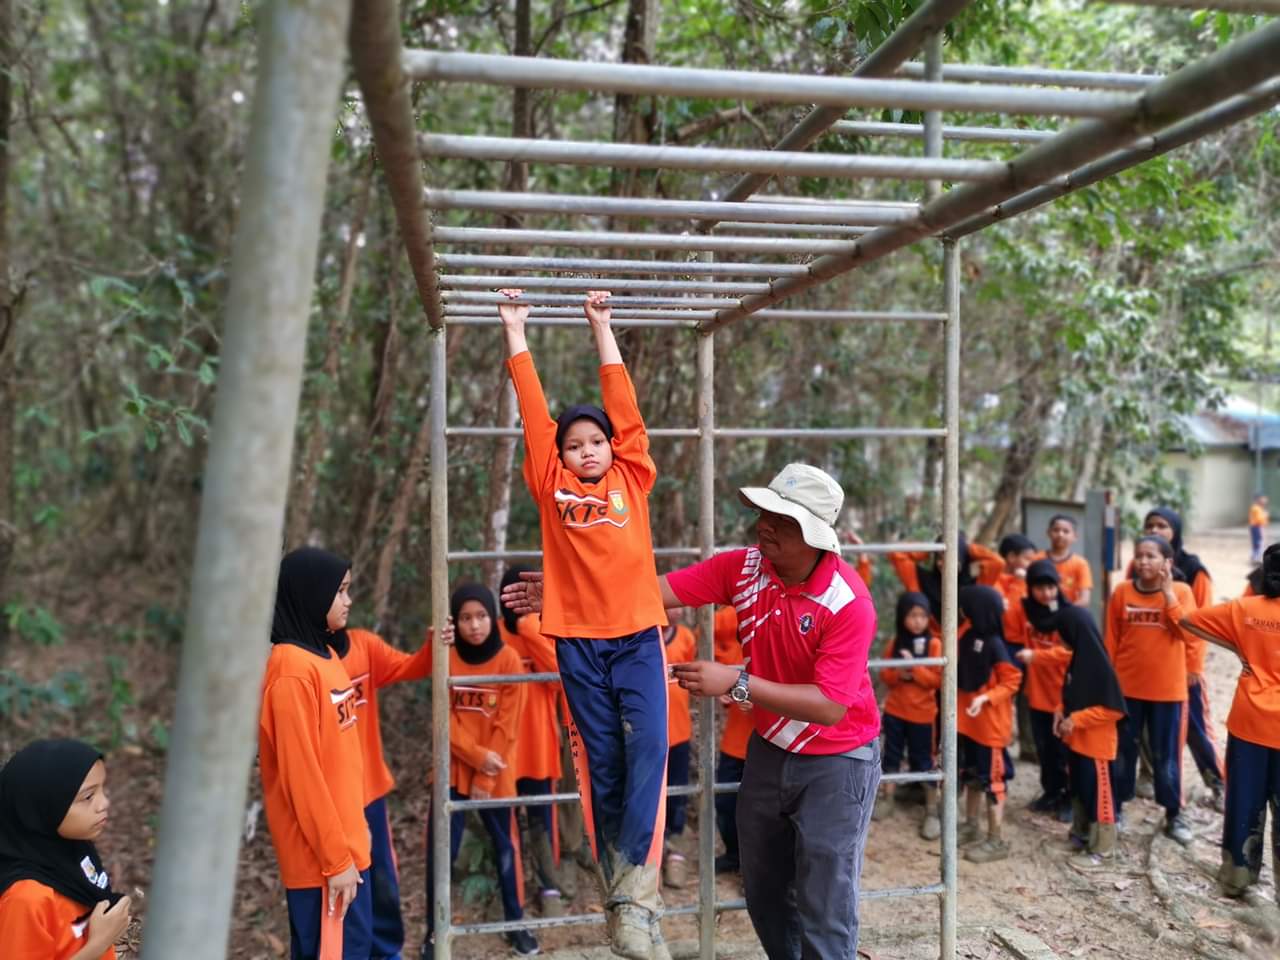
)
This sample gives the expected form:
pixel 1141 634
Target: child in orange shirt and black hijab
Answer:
pixel 590 473
pixel 1092 706
pixel 988 681
pixel 56 900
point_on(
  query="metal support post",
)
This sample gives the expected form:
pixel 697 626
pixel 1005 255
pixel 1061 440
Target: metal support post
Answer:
pixel 708 708
pixel 933 118
pixel 950 559
pixel 439 465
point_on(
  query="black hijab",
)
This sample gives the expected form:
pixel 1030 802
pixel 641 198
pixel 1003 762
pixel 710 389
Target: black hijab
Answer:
pixel 904 638
pixel 509 616
pixel 930 575
pixel 982 644
pixel 1091 680
pixel 486 651
pixel 1186 566
pixel 309 580
pixel 37 787
pixel 1043 618
pixel 582 411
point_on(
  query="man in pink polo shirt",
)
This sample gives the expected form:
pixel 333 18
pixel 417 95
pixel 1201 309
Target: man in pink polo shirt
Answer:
pixel 806 622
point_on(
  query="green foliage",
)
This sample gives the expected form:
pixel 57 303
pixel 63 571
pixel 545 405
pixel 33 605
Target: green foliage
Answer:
pixel 34 624
pixel 65 692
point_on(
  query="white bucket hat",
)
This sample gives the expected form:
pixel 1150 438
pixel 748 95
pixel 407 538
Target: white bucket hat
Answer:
pixel 807 495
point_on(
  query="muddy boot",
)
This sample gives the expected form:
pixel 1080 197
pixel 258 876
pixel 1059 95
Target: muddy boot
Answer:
pixel 657 944
pixel 930 826
pixel 628 926
pixel 883 807
pixel 968 833
pixel 1233 881
pixel 988 851
pixel 675 870
pixel 550 903
pixel 633 903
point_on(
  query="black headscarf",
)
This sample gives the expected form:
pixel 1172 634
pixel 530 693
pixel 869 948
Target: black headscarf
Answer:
pixel 1043 618
pixel 509 616
pixel 37 787
pixel 1091 679
pixel 1265 577
pixel 1186 566
pixel 582 411
pixel 484 652
pixel 982 644
pixel 1015 543
pixel 309 580
pixel 930 575
pixel 905 639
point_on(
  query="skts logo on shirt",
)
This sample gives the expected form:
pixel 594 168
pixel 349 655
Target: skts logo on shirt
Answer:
pixel 359 684
pixel 345 703
pixel 476 699
pixel 584 510
pixel 1148 616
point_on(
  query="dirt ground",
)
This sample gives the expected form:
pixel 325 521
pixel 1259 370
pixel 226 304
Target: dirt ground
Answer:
pixel 1158 901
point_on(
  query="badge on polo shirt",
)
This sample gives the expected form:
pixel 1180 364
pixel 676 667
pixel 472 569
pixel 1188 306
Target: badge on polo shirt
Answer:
pixel 806 622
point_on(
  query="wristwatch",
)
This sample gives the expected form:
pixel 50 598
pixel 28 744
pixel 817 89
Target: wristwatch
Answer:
pixel 740 692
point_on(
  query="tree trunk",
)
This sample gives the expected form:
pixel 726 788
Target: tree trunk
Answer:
pixel 8 328
pixel 630 123
pixel 1094 429
pixel 400 505
pixel 300 70
pixel 317 442
pixel 1035 400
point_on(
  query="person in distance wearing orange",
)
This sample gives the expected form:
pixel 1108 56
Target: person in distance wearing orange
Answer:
pixel 56 901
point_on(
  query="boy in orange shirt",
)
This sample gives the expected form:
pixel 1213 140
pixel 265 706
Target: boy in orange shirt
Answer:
pixel 538 748
pixel 911 707
pixel 681 648
pixel 1092 706
pixel 987 681
pixel 738 726
pixel 483 721
pixel 1018 553
pixel 1073 570
pixel 591 474
pixel 1045 660
pixel 1250 628
pixel 1258 520
pixel 1155 661
pixel 56 899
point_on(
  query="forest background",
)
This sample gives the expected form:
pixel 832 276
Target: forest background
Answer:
pixel 1090 326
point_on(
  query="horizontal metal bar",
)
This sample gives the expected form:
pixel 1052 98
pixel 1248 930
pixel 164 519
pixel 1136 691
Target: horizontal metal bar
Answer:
pixel 461 431
pixel 565 317
pixel 831 229
pixel 649 157
pixel 1234 110
pixel 495 201
pixel 1264 7
pixel 1034 76
pixel 478 315
pixel 872 664
pixel 463 556
pixel 614 284
pixel 886 893
pixel 901 663
pixel 915 131
pixel 472 261
pixel 557 300
pixel 810 202
pixel 495 237
pixel 829 433
pixel 545 73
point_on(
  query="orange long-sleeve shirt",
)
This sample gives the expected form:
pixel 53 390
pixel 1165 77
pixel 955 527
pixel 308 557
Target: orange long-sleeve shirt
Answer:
pixel 311 759
pixel 538 743
pixel 1074 574
pixel 1151 652
pixel 1251 626
pixel 985 565
pixel 600 577
pixel 1047 669
pixel 913 699
pixel 38 923
pixel 484 717
pixel 372 663
pixel 1013 588
pixel 993 726
pixel 1258 516
pixel 738 721
pixel 683 648
pixel 1094 732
